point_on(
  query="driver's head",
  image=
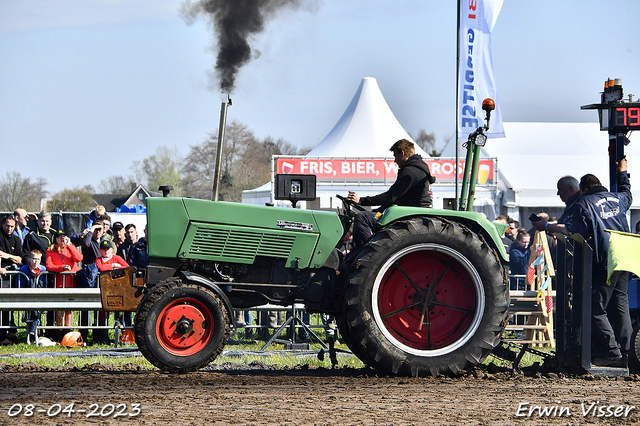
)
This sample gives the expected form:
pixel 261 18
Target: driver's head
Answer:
pixel 405 146
pixel 402 150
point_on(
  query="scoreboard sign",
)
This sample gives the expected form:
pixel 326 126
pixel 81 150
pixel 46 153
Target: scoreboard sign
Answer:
pixel 616 115
pixel 376 169
pixel 622 117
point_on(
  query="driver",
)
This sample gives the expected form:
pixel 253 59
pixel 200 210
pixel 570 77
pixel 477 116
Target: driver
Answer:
pixel 411 189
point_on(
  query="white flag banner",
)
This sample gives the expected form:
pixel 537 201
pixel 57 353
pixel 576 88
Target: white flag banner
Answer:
pixel 475 79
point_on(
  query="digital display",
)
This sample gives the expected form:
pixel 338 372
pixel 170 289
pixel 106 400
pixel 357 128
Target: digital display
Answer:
pixel 625 117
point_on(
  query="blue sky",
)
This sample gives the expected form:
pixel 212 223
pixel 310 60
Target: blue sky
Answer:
pixel 100 83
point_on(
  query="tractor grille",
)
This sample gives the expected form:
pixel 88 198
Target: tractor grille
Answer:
pixel 233 244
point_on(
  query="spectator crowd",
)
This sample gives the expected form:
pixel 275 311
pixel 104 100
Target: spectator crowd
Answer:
pixel 591 211
pixel 46 257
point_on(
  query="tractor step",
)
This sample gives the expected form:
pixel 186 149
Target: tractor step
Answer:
pixel 525 327
pixel 542 342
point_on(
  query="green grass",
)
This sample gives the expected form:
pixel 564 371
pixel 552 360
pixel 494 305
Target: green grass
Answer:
pixel 528 359
pixel 274 357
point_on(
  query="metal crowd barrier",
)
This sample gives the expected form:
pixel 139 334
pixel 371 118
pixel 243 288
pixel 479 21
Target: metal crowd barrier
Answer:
pixel 14 301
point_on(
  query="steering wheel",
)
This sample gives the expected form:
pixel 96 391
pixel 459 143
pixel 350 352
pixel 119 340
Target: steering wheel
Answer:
pixel 348 204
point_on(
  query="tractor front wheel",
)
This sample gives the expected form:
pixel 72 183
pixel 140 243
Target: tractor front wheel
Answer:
pixel 180 326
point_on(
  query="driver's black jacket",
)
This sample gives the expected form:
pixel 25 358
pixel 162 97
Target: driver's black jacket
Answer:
pixel 410 189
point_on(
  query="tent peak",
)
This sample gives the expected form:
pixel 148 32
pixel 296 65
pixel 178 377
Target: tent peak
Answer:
pixel 367 127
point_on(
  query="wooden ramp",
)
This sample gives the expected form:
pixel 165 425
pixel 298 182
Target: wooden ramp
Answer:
pixel 536 303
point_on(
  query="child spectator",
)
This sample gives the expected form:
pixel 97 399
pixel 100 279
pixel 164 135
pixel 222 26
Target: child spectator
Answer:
pixel 109 261
pixel 95 216
pixel 519 255
pixel 32 277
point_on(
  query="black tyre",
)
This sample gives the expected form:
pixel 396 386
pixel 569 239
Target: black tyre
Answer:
pixel 461 279
pixel 634 354
pixel 180 326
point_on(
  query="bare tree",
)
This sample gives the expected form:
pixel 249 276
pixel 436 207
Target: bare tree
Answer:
pixel 163 168
pixel 242 155
pixel 138 174
pixel 18 192
pixel 246 163
pixel 116 185
pixel 197 170
pixel 426 141
pixel 283 147
pixel 237 140
pixel 77 199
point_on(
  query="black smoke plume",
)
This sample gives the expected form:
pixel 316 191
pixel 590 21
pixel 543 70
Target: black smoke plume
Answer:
pixel 234 23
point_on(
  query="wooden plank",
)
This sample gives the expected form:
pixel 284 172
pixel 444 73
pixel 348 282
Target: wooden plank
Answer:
pixel 525 327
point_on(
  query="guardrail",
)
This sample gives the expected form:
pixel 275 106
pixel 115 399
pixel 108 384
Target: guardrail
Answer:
pixel 16 300
pixel 46 300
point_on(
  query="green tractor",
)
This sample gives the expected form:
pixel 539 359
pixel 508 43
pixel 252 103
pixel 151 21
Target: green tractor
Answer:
pixel 427 295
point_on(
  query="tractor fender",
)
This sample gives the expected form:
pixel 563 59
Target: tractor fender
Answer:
pixel 199 279
pixel 475 221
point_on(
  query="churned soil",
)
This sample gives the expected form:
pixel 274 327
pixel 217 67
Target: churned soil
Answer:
pixel 233 394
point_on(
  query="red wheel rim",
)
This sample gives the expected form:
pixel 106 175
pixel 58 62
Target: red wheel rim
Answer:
pixel 440 277
pixel 184 327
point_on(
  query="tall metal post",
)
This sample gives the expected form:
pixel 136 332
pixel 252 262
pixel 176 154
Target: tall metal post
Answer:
pixel 462 205
pixel 216 173
pixel 472 179
pixel 457 168
pixel 616 152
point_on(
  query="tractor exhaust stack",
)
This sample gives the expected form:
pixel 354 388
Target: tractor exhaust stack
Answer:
pixel 223 122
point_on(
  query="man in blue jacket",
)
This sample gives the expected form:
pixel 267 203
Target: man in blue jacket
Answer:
pixel 594 212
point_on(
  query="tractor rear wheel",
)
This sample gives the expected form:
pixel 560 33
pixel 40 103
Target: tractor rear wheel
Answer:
pixel 426 296
pixel 634 354
pixel 181 327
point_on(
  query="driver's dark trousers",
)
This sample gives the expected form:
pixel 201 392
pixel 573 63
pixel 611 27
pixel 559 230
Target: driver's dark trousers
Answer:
pixel 364 225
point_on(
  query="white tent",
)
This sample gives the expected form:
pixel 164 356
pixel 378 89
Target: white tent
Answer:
pixel 533 156
pixel 367 129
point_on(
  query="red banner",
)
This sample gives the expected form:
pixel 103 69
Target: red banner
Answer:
pixel 332 169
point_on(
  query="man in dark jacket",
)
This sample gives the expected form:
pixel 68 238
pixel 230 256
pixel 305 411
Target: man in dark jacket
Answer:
pixel 595 211
pixel 569 193
pixel 91 243
pixel 10 246
pixel 40 239
pixel 411 189
pixel 43 237
pixel 11 255
pixel 138 255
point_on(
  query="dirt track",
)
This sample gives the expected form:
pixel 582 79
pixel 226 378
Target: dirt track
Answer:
pixel 262 395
